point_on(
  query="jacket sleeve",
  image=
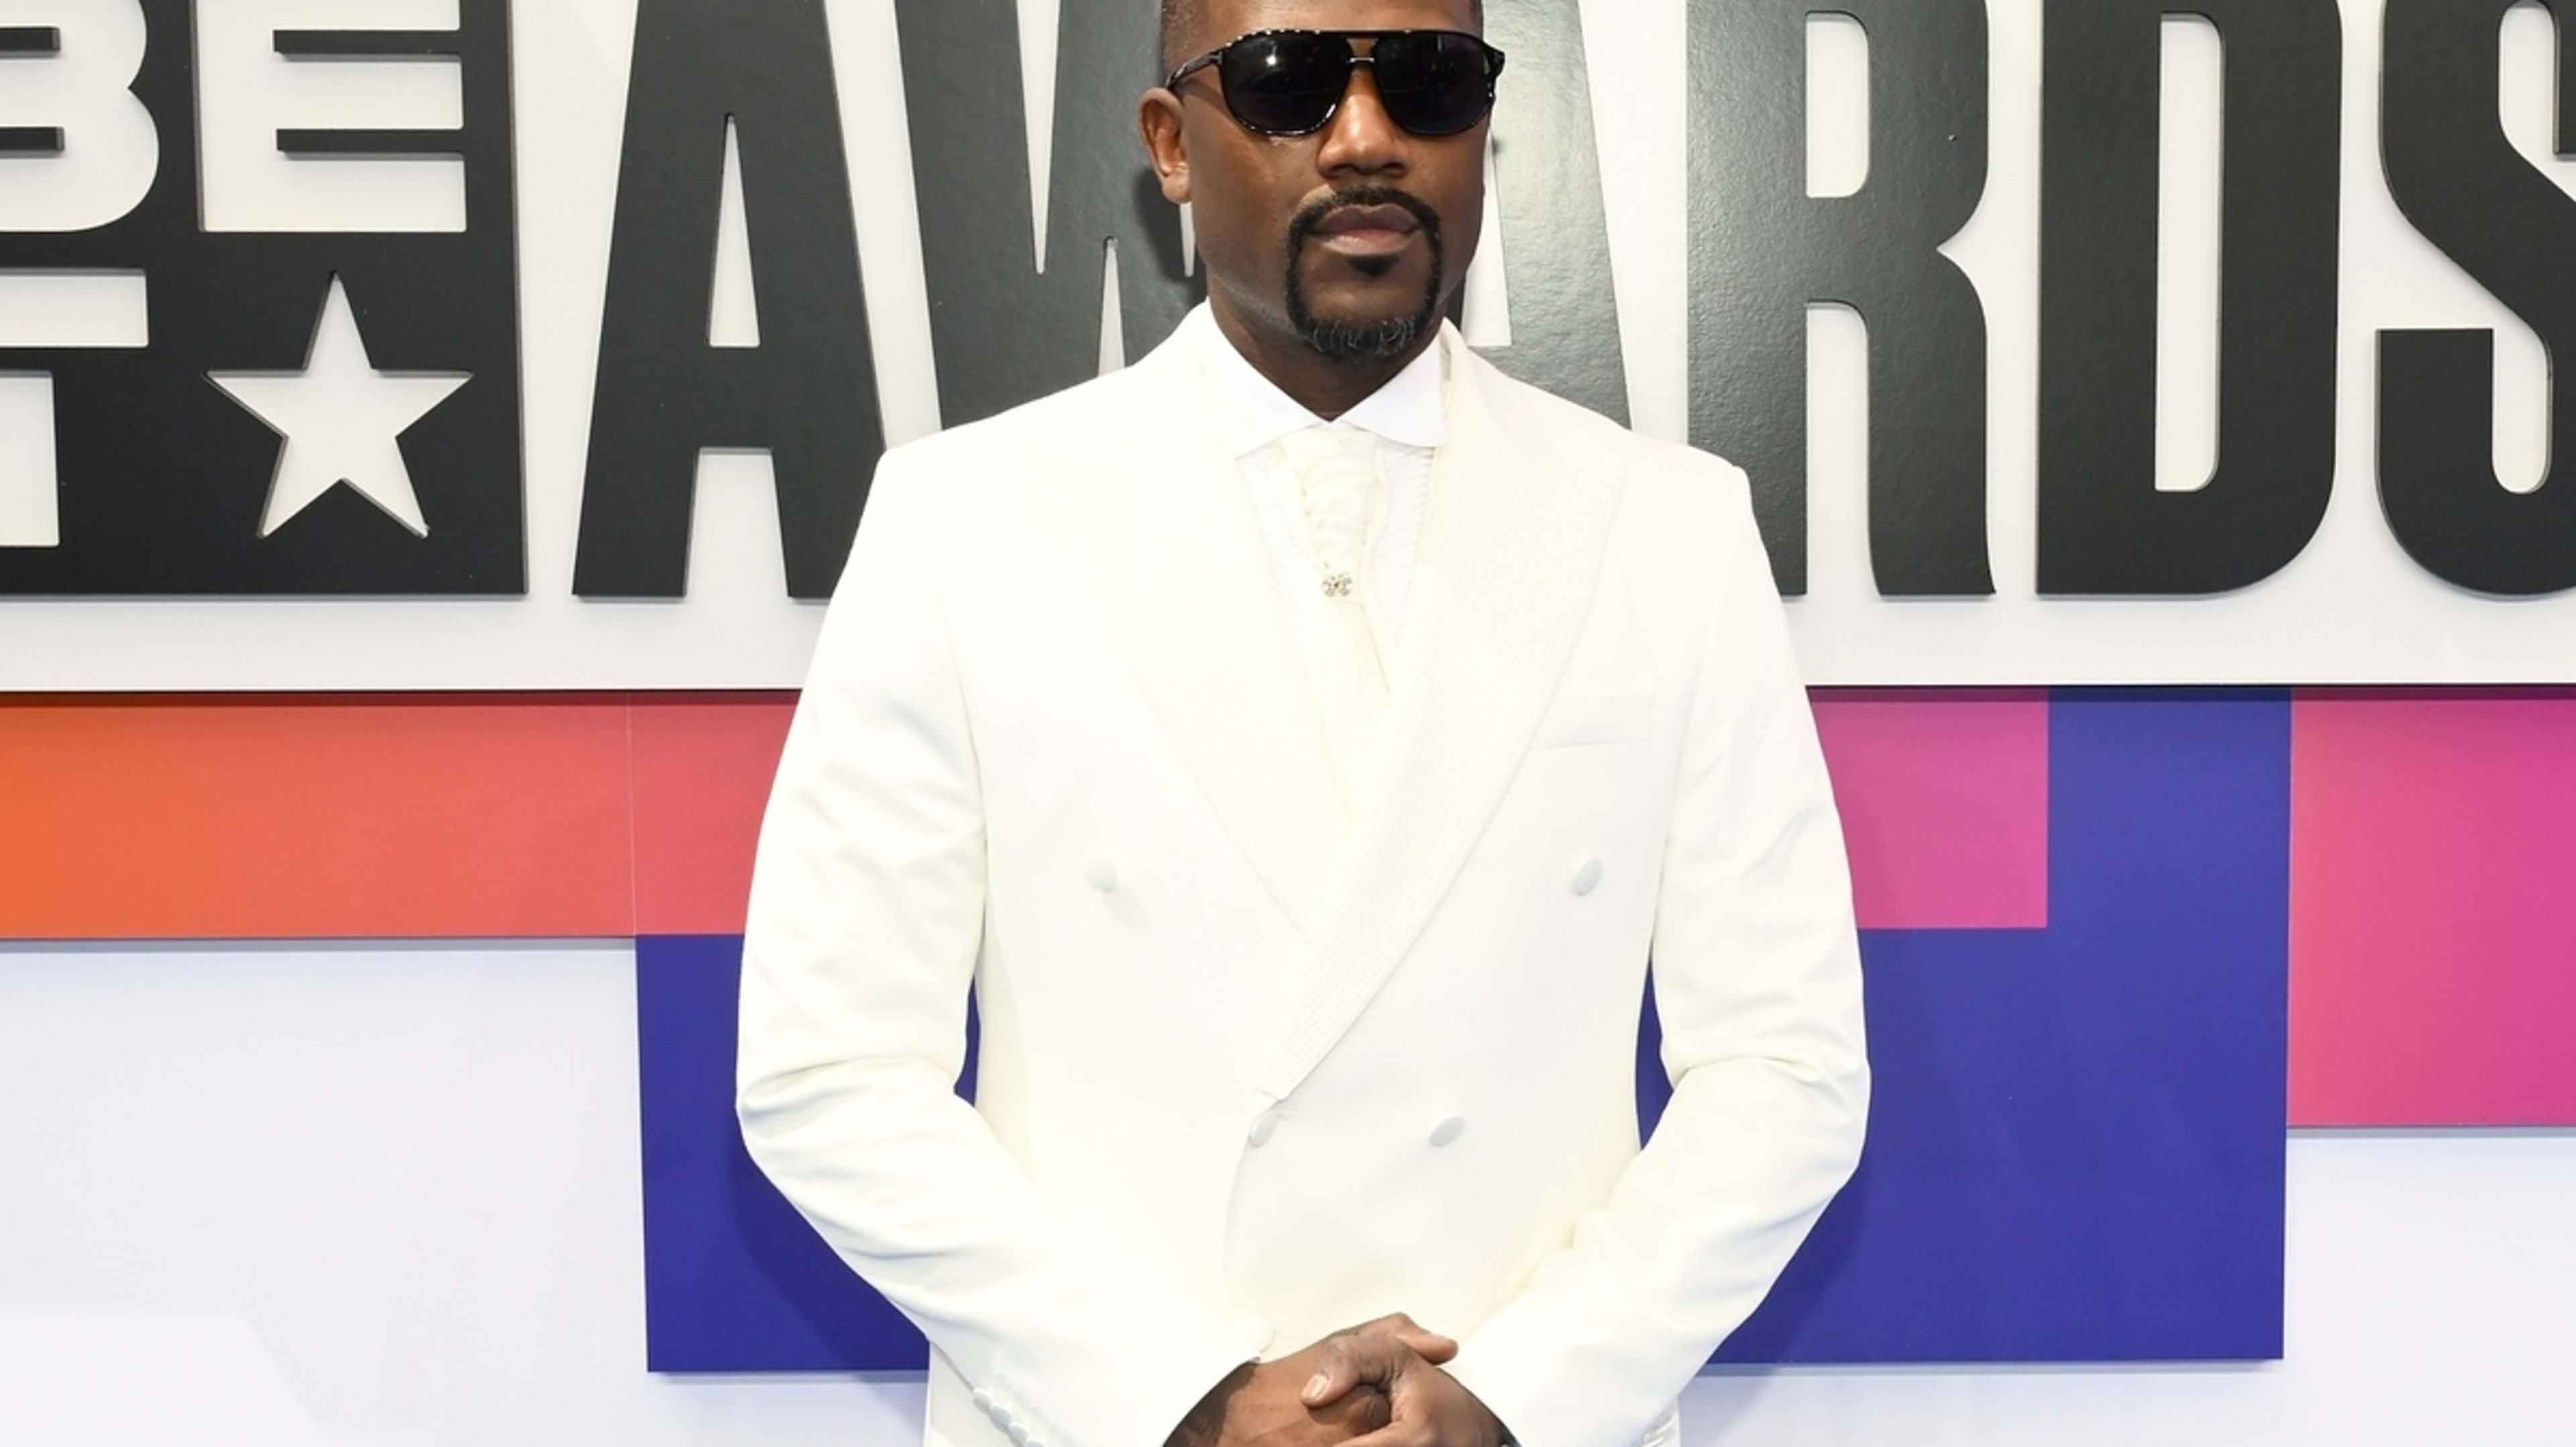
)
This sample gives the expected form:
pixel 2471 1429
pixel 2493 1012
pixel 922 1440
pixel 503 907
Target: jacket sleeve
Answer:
pixel 1757 982
pixel 867 909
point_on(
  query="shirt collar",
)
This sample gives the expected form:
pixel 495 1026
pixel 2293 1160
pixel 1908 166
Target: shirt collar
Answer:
pixel 1252 412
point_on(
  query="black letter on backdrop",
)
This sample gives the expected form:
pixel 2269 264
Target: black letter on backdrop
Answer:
pixel 2465 187
pixel 1556 236
pixel 1004 334
pixel 2103 526
pixel 808 391
pixel 1762 250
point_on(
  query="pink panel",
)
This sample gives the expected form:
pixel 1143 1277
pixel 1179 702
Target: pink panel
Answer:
pixel 1944 797
pixel 2433 909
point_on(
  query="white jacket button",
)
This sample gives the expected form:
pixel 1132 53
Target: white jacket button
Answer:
pixel 1264 1128
pixel 1587 876
pixel 1020 1434
pixel 984 1403
pixel 1102 872
pixel 1449 1129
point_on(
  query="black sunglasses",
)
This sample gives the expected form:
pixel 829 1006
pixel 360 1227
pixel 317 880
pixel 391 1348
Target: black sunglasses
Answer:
pixel 1291 82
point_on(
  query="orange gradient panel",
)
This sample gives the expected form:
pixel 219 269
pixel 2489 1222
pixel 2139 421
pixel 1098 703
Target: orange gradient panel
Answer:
pixel 703 765
pixel 339 817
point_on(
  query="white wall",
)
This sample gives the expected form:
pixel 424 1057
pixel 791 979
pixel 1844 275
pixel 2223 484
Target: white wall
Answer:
pixel 387 1197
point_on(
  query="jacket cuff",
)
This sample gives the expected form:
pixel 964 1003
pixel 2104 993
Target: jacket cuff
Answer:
pixel 1130 1410
pixel 1549 1391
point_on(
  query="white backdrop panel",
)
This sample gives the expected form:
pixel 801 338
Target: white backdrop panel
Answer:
pixel 2351 608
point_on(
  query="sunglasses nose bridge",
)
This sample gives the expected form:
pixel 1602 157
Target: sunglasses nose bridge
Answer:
pixel 1360 61
pixel 1361 134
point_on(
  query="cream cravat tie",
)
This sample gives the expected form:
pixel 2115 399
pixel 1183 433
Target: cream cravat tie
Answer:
pixel 1337 482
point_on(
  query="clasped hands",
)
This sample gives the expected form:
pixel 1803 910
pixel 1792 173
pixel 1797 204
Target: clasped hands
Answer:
pixel 1378 1384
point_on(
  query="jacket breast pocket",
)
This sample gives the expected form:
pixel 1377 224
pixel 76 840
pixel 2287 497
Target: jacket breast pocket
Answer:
pixel 1574 720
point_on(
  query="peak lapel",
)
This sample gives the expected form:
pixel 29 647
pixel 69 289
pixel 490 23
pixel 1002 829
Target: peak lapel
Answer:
pixel 1508 569
pixel 1192 609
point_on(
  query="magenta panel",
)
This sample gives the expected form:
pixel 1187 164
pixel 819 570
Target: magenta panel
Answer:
pixel 2433 909
pixel 1944 797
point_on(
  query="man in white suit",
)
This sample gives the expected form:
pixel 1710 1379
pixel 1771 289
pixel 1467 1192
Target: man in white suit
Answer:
pixel 1297 743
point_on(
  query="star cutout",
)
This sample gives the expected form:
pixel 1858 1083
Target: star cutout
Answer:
pixel 339 418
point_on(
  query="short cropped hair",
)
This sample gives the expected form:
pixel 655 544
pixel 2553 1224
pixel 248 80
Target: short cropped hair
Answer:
pixel 1180 15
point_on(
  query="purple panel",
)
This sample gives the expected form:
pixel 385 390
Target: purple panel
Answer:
pixel 2079 1133
pixel 734 1280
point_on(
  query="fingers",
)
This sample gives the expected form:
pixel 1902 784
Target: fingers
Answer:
pixel 1422 1418
pixel 1350 1360
pixel 1404 1431
pixel 1431 1346
pixel 1430 1409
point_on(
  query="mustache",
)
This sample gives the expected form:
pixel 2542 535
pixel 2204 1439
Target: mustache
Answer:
pixel 1303 224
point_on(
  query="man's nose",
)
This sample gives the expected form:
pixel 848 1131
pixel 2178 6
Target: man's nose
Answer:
pixel 1360 138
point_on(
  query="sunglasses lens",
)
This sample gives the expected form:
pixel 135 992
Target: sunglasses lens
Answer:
pixel 1285 85
pixel 1434 83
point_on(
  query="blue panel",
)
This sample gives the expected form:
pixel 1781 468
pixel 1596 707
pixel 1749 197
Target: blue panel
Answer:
pixel 2077 1146
pixel 2078 1139
pixel 734 1280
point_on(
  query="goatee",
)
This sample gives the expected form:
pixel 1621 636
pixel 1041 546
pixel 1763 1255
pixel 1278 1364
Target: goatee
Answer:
pixel 1365 339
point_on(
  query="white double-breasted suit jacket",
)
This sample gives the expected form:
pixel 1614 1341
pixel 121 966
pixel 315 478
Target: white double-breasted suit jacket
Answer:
pixel 1252 1071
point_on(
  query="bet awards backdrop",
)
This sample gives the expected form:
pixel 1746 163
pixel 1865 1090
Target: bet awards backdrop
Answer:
pixel 2068 342
pixel 528 347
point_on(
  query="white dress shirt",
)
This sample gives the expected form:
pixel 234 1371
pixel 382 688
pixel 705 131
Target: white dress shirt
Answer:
pixel 1408 417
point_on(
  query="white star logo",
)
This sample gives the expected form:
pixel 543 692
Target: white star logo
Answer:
pixel 340 418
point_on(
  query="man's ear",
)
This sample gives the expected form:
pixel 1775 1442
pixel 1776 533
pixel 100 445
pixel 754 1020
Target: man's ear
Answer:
pixel 1158 121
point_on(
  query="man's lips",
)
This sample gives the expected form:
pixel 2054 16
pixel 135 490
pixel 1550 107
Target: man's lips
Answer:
pixel 1367 230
